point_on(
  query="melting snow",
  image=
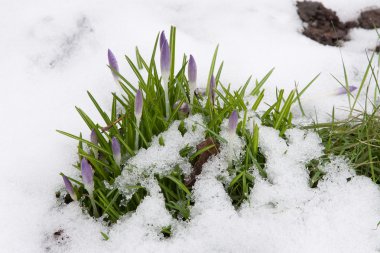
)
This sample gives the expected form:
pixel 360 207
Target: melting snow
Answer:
pixel 283 213
pixel 52 52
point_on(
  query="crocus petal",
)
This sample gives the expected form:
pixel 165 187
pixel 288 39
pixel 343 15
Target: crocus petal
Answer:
pixel 138 104
pixel 113 62
pixel 116 150
pixel 184 108
pixel 87 175
pixel 192 71
pixel 200 92
pixel 162 39
pixel 232 122
pixel 94 137
pixel 212 89
pixel 69 187
pixel 165 58
pixel 343 90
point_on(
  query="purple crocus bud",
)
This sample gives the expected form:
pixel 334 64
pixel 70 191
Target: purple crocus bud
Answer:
pixel 116 150
pixel 94 137
pixel 94 140
pixel 192 71
pixel 165 59
pixel 138 105
pixel 343 90
pixel 87 175
pixel 162 39
pixel 183 110
pixel 212 89
pixel 165 68
pixel 232 122
pixel 192 75
pixel 200 92
pixel 113 63
pixel 69 188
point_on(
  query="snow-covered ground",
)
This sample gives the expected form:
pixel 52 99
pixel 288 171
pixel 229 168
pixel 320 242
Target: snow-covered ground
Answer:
pixel 53 51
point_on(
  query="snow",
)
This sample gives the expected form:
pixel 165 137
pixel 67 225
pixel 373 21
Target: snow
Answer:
pixel 162 159
pixel 52 52
pixel 283 213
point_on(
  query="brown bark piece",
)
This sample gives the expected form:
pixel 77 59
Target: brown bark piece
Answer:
pixel 202 159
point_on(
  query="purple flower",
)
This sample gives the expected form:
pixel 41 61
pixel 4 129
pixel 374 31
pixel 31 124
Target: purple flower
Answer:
pixel 192 75
pixel 138 104
pixel 192 71
pixel 183 110
pixel 69 188
pixel 113 63
pixel 87 175
pixel 162 39
pixel 94 137
pixel 232 122
pixel 212 89
pixel 116 150
pixel 94 140
pixel 165 68
pixel 343 90
pixel 165 59
pixel 200 92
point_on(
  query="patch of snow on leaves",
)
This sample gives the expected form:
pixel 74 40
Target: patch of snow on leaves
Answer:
pixel 283 213
pixel 162 159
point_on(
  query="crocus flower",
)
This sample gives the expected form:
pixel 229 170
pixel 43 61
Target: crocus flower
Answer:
pixel 94 140
pixel 212 89
pixel 200 92
pixel 165 68
pixel 88 181
pixel 343 90
pixel 192 75
pixel 116 150
pixel 87 175
pixel 165 58
pixel 183 110
pixel 232 122
pixel 138 104
pixel 162 39
pixel 138 113
pixel 69 188
pixel 113 63
pixel 94 137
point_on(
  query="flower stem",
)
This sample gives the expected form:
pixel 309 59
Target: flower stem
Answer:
pixel 137 134
pixel 96 153
pixel 191 100
pixel 166 88
pixel 92 199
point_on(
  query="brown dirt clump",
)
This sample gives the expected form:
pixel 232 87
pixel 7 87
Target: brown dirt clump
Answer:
pixel 323 25
pixel 370 19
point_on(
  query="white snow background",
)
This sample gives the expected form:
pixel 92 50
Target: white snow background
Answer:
pixel 51 52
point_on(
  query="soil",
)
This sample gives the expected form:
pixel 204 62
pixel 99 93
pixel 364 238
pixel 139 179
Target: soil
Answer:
pixel 370 19
pixel 325 27
pixel 202 159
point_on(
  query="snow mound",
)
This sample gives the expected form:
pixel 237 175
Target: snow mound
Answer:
pixel 162 158
pixel 283 213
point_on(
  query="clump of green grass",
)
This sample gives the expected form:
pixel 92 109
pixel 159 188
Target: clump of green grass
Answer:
pixel 162 97
pixel 358 136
